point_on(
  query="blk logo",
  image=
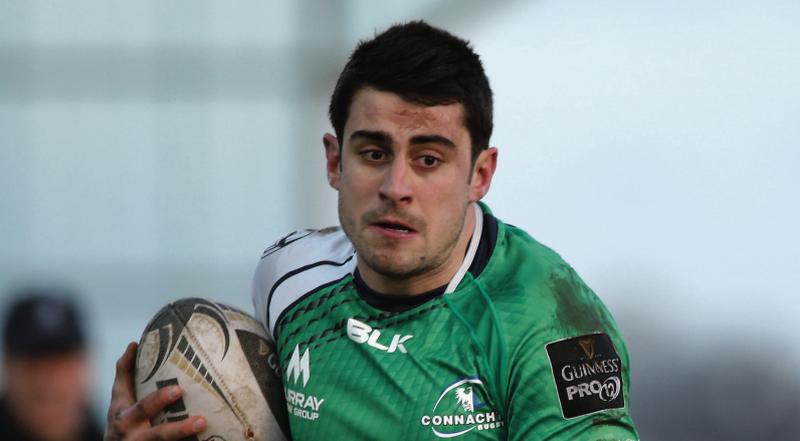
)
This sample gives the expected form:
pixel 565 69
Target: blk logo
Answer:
pixel 361 332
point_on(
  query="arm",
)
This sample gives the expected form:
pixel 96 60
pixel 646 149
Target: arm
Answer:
pixel 569 373
pixel 129 419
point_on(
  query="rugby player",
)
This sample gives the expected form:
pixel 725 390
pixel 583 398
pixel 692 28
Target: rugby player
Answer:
pixel 423 316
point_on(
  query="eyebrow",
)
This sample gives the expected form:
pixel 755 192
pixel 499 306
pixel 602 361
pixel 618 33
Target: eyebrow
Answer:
pixel 383 139
pixel 433 139
pixel 378 137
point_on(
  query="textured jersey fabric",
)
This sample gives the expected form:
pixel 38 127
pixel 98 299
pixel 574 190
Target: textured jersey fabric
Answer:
pixel 521 349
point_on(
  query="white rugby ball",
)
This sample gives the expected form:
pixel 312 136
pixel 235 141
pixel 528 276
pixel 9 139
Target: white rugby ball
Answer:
pixel 224 363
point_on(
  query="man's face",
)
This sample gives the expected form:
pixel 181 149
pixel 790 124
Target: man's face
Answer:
pixel 405 179
pixel 48 395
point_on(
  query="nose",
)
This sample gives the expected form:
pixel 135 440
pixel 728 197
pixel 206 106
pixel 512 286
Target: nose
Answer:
pixel 396 186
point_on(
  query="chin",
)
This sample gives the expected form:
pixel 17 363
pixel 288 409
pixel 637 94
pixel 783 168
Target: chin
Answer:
pixel 394 268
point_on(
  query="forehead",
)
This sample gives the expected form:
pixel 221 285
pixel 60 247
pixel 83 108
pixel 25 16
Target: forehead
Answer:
pixel 385 111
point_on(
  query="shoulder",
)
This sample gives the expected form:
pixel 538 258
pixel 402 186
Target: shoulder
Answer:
pixel 525 275
pixel 297 264
pixel 554 325
pixel 519 261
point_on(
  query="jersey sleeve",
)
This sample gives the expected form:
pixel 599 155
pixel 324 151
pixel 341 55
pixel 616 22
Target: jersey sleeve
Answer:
pixel 296 265
pixel 569 371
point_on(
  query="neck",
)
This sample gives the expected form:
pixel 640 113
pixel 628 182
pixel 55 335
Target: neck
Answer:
pixel 429 280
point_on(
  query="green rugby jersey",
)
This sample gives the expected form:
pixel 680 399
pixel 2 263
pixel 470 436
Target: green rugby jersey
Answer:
pixel 518 347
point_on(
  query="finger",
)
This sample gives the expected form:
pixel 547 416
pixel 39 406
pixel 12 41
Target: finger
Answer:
pixel 129 366
pixel 177 430
pixel 149 406
pixel 123 391
pixel 123 387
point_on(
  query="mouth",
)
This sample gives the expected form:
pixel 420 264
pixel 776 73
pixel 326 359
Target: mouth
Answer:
pixel 394 226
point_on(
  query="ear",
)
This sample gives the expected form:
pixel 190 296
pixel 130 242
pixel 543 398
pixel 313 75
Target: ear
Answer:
pixel 482 173
pixel 333 159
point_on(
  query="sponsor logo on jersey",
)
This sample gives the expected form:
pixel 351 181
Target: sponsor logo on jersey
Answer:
pixel 361 332
pixel 301 404
pixel 587 373
pixel 461 408
pixel 299 367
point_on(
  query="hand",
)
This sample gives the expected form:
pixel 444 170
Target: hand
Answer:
pixel 129 420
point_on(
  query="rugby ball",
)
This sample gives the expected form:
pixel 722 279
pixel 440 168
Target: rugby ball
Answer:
pixel 225 364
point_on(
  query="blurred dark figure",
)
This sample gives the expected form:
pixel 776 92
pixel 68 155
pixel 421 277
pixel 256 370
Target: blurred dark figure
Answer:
pixel 46 365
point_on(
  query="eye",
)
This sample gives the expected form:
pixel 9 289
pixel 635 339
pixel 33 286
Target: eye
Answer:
pixel 428 161
pixel 374 155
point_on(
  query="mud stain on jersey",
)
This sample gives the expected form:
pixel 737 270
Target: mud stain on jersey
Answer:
pixel 576 306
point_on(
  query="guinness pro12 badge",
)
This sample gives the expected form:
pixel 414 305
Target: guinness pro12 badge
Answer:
pixel 588 374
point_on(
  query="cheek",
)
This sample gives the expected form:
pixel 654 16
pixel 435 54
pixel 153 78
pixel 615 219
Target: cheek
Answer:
pixel 447 191
pixel 67 381
pixel 350 210
pixel 72 379
pixel 358 189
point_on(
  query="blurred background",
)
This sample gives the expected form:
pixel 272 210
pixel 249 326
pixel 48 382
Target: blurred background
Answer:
pixel 150 150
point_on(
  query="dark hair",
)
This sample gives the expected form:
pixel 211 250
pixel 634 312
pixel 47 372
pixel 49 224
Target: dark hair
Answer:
pixel 424 65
